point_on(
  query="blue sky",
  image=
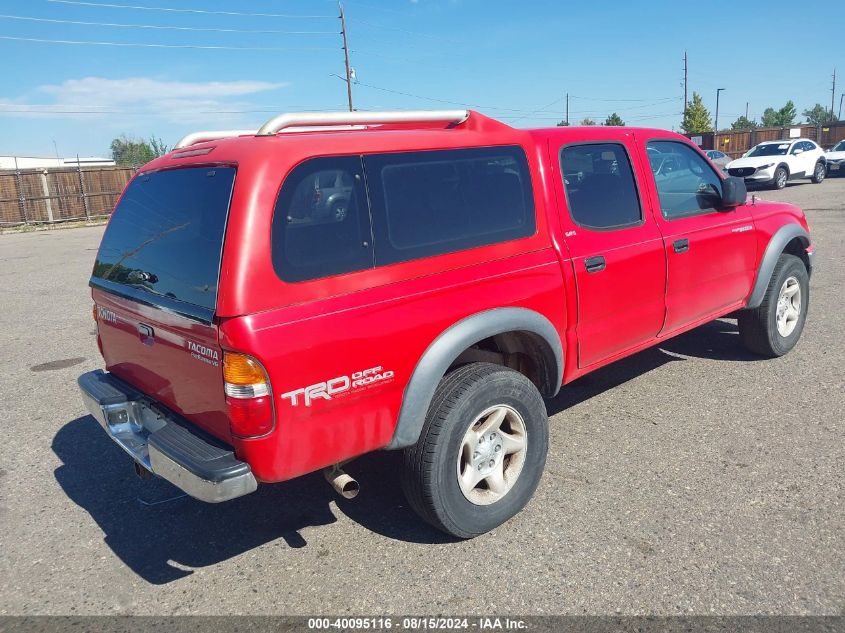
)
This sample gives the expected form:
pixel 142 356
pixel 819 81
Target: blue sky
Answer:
pixel 511 60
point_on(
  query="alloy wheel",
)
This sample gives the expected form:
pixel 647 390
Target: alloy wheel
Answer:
pixel 492 455
pixel 788 306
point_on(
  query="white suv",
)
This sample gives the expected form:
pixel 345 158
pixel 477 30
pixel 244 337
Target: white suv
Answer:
pixel 775 162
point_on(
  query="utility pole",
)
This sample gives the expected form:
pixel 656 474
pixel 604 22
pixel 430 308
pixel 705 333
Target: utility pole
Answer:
pixel 685 81
pixel 833 93
pixel 840 105
pixel 716 124
pixel 567 108
pixel 346 56
pixel 746 110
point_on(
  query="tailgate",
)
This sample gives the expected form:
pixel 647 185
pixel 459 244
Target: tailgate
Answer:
pixel 171 358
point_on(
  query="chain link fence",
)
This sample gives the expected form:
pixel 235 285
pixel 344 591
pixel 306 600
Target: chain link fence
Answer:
pixel 59 194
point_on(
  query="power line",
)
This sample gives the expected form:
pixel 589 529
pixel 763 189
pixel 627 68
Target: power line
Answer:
pixel 556 101
pixel 401 30
pixel 447 101
pixel 203 11
pixel 615 100
pixel 145 45
pixel 167 28
pixel 26 109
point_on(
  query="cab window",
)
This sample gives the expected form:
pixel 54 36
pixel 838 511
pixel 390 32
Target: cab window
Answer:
pixel 599 184
pixel 686 184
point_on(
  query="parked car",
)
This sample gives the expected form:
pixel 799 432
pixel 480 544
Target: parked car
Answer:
pixel 719 158
pixel 774 163
pixel 247 339
pixel 835 158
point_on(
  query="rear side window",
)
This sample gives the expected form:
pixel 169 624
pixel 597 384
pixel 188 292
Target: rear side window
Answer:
pixel 165 238
pixel 600 186
pixel 435 202
pixel 321 225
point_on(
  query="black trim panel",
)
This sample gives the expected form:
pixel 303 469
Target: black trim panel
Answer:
pixel 187 310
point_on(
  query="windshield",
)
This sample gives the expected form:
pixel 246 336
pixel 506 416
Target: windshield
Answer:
pixel 770 149
pixel 166 236
pixel 839 147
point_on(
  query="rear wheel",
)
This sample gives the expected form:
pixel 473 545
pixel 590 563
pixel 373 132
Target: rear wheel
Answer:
pixel 781 176
pixel 481 453
pixel 774 328
pixel 819 172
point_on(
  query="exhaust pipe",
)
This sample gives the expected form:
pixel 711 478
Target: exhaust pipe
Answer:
pixel 344 485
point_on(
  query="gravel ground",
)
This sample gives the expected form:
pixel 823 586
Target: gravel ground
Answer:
pixel 689 479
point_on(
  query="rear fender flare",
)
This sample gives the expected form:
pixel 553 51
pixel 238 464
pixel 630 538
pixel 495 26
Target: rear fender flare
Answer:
pixel 783 236
pixel 443 351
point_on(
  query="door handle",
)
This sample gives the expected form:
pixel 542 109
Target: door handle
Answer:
pixel 594 264
pixel 681 246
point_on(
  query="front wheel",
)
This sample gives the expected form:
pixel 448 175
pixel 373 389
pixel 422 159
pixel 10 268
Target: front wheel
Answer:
pixel 481 452
pixel 819 172
pixel 775 326
pixel 781 176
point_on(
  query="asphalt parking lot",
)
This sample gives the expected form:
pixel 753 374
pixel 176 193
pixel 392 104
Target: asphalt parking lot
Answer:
pixel 692 478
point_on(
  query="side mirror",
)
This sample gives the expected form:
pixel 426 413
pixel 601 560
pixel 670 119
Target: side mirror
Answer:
pixel 734 192
pixel 797 151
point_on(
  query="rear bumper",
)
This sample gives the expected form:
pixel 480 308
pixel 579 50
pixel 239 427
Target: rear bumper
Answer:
pixel 164 444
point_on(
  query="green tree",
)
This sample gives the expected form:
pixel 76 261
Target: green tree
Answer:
pixel 696 117
pixel 614 120
pixel 780 118
pixel 158 146
pixel 587 121
pixel 136 152
pixel 770 118
pixel 744 123
pixel 563 124
pixel 787 114
pixel 818 115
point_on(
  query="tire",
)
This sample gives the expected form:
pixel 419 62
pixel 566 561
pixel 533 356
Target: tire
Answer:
pixel 466 405
pixel 760 329
pixel 781 176
pixel 819 172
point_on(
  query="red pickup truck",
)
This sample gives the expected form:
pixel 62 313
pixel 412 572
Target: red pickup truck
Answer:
pixel 273 303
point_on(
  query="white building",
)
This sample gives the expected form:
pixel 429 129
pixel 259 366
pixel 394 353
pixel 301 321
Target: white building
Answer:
pixel 38 162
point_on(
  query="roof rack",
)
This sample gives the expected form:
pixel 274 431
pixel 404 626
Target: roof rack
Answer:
pixel 330 119
pixel 321 119
pixel 201 137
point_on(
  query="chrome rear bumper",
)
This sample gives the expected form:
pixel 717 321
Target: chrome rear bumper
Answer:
pixel 163 444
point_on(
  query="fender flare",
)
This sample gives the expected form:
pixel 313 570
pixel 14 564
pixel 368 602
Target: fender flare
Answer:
pixel 783 236
pixel 448 346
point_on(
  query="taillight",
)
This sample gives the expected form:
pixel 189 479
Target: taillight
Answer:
pixel 248 395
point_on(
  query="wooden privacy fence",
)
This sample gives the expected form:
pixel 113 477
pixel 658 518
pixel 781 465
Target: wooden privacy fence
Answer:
pixel 736 142
pixel 43 196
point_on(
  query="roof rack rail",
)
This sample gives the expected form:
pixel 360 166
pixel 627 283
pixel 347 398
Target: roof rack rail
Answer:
pixel 329 119
pixel 321 119
pixel 201 137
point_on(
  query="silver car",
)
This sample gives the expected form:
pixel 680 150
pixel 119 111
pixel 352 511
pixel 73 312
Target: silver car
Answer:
pixel 720 158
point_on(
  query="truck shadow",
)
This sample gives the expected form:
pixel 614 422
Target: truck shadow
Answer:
pixel 162 535
pixel 717 340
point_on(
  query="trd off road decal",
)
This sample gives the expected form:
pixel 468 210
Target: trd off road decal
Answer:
pixel 340 385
